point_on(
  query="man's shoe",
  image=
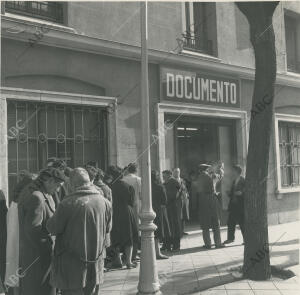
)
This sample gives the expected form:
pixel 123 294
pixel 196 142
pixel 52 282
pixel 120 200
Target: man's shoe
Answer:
pixel 206 247
pixel 220 246
pixel 228 242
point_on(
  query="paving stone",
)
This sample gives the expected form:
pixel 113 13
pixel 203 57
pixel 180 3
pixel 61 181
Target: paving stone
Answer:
pixel 267 292
pixel 214 292
pixel 238 286
pixel 240 292
pixel 287 286
pixel 262 285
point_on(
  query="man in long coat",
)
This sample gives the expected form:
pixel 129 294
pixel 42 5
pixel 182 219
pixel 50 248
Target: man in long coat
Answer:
pixel 174 208
pixel 208 207
pixel 124 234
pixel 35 207
pixel 135 181
pixel 80 225
pixel 236 205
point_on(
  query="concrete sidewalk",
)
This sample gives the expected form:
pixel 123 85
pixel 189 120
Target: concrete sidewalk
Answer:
pixel 194 270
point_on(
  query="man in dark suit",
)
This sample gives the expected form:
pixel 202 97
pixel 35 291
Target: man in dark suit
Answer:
pixel 236 205
pixel 174 207
pixel 35 207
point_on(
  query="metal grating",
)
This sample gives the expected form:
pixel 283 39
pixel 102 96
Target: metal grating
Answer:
pixel 39 131
pixel 289 146
pixel 47 10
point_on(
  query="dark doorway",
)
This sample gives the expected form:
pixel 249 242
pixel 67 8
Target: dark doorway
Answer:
pixel 205 140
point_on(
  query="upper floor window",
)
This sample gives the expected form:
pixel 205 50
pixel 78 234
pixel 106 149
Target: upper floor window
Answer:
pixel 289 147
pixel 46 10
pixel 200 34
pixel 292 38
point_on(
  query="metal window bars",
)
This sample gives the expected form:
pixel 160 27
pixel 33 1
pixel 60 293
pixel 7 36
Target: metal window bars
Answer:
pixel 197 44
pixel 38 131
pixel 289 145
pixel 47 10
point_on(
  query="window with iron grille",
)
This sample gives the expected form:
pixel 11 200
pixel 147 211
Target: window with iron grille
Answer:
pixel 200 33
pixel 39 131
pixel 289 146
pixel 47 10
pixel 292 39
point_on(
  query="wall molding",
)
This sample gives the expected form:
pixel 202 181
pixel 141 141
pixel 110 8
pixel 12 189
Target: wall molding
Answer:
pixel 69 39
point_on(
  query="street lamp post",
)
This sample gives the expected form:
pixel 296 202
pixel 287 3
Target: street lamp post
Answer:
pixel 148 278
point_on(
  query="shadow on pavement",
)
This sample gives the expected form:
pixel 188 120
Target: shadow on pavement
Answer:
pixel 290 242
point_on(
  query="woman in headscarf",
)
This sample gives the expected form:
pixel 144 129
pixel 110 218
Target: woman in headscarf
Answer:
pixel 159 202
pixel 124 230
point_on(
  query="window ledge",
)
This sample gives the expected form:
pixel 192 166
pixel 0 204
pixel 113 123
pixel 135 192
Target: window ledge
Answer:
pixel 202 55
pixel 293 74
pixel 287 191
pixel 26 20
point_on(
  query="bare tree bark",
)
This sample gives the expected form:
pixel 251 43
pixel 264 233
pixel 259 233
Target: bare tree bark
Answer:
pixel 256 253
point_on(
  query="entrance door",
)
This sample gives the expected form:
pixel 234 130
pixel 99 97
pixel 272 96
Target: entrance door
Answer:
pixel 204 140
pixel 196 143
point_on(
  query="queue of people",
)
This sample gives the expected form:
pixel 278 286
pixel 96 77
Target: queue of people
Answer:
pixel 62 230
pixel 67 226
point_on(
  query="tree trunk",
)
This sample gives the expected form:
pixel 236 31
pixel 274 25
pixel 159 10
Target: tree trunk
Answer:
pixel 256 253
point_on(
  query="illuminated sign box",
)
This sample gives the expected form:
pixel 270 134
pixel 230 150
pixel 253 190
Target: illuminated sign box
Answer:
pixel 187 86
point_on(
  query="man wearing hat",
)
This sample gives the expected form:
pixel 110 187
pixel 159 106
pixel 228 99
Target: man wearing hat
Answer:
pixel 208 207
pixel 35 207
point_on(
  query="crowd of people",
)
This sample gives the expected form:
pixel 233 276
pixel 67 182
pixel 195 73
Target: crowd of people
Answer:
pixel 67 226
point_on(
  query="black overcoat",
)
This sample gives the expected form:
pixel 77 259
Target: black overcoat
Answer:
pixel 174 207
pixel 35 207
pixel 236 203
pixel 124 227
pixel 159 203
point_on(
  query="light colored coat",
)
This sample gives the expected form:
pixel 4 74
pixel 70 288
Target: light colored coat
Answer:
pixel 80 224
pixel 12 246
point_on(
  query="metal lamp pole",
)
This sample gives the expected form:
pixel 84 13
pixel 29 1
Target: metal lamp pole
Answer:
pixel 148 278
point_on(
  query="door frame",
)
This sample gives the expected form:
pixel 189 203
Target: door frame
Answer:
pixel 196 121
pixel 162 109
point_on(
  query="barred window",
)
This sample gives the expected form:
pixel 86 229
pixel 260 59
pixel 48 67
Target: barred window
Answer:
pixel 289 145
pixel 200 23
pixel 292 34
pixel 39 131
pixel 47 10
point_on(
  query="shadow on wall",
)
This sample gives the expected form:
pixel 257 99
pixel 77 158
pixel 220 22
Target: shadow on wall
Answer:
pixel 242 30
